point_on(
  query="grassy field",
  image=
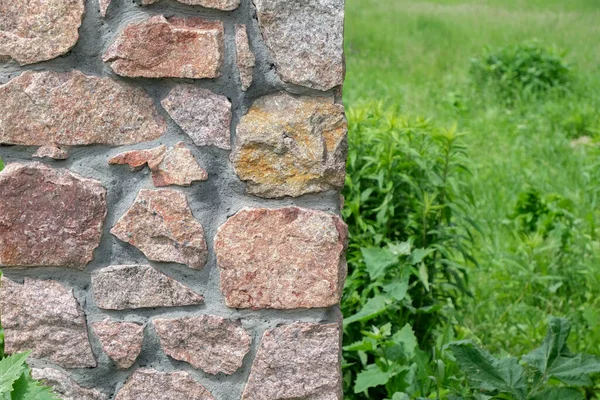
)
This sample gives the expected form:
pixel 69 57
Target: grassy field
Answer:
pixel 414 55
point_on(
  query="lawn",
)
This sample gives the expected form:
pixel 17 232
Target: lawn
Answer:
pixel 414 56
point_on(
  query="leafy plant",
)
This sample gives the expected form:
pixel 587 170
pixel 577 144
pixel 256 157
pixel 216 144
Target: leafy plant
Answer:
pixel 1 164
pixel 520 70
pixel 16 382
pixel 410 241
pixel 549 372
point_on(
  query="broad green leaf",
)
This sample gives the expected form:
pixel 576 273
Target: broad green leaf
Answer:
pixel 575 370
pixel 374 307
pixel 489 373
pixel 366 344
pixel 377 260
pixel 38 392
pixel 1 164
pixel 11 369
pixel 418 255
pixel 400 249
pixel 400 396
pixel 424 276
pixel 557 393
pixel 372 376
pixel 406 337
pixel 398 288
pixel 554 345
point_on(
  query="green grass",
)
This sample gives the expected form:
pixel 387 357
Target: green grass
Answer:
pixel 414 55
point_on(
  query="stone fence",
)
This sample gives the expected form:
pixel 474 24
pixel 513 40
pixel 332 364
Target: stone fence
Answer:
pixel 177 236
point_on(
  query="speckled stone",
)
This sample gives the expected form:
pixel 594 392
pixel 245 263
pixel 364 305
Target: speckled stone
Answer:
pixel 169 166
pixel 282 258
pixel 34 31
pixel 161 225
pixel 53 152
pixel 297 361
pixel 64 386
pixel 70 109
pixel 49 217
pixel 306 40
pixel 290 146
pixel 175 47
pixel 104 7
pixel 202 114
pixel 149 384
pixel 121 341
pixel 209 342
pixel 245 58
pixel 123 287
pixel 224 5
pixel 44 317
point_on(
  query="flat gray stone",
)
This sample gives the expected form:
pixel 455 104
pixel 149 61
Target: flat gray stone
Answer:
pixel 124 287
pixel 208 342
pixel 306 39
pixel 34 31
pixel 149 384
pixel 64 386
pixel 297 361
pixel 49 217
pixel 203 115
pixel 161 225
pixel 73 109
pixel 121 341
pixel 44 317
pixel 224 5
pixel 282 258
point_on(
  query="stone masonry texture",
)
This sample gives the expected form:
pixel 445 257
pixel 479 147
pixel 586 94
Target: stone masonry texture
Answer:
pixel 170 207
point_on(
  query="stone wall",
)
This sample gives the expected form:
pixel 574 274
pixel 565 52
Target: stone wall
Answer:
pixel 169 221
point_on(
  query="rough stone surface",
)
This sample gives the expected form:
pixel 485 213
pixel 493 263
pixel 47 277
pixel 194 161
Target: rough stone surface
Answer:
pixel 49 217
pixel 297 361
pixel 173 166
pixel 70 108
pixel 202 114
pixel 245 58
pixel 225 5
pixel 121 341
pixel 209 342
pixel 174 47
pixel 44 317
pixel 122 287
pixel 306 39
pixel 290 146
pixel 53 152
pixel 149 384
pixel 104 7
pixel 283 258
pixel 34 31
pixel 64 386
pixel 161 225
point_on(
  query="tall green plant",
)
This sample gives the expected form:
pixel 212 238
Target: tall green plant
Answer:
pixel 410 242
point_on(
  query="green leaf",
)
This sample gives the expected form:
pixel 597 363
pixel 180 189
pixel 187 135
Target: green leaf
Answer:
pixel 400 249
pixel 489 373
pixel 418 255
pixel 372 376
pixel 1 164
pixel 406 337
pixel 557 393
pixel 367 344
pixel 377 260
pixel 400 396
pixel 11 369
pixel 398 288
pixel 554 359
pixel 373 308
pixel 424 276
pixel 36 391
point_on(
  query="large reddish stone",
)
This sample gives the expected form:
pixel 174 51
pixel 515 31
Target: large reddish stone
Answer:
pixel 202 114
pixel 64 386
pixel 290 146
pixel 34 31
pixel 245 58
pixel 209 342
pixel 175 47
pixel 70 109
pixel 306 40
pixel 121 341
pixel 169 166
pixel 49 217
pixel 123 287
pixel 150 384
pixel 283 258
pixel 297 361
pixel 161 225
pixel 104 4
pixel 44 317
pixel 225 5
